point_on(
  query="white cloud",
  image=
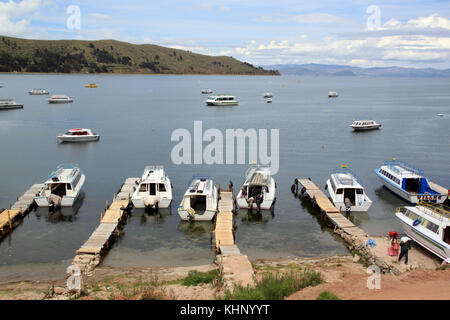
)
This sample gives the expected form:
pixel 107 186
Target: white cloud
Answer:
pixel 100 16
pixel 9 11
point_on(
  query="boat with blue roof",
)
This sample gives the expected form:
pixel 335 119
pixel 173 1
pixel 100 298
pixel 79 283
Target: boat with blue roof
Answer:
pixel 409 183
pixel 62 187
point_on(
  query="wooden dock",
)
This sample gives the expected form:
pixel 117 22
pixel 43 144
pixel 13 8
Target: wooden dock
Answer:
pixel 312 191
pixel 19 209
pixel 235 267
pixel 89 255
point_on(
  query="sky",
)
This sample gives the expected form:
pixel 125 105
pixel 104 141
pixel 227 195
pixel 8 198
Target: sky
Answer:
pixel 360 33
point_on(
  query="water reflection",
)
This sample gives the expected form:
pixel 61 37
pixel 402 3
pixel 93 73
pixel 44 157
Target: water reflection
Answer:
pixel 63 214
pixel 152 216
pixel 255 216
pixel 195 229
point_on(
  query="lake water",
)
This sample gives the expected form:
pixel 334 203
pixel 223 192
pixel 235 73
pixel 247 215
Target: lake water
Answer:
pixel 136 115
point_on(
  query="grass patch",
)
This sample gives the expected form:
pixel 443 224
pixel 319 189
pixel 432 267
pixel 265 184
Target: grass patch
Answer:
pixel 444 267
pixel 195 278
pixel 276 286
pixel 327 295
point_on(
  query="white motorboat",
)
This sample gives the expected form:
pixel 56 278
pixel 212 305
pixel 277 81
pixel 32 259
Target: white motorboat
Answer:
pixel 429 226
pixel 346 191
pixel 62 188
pixel 409 183
pixel 154 189
pixel 79 135
pixel 6 104
pixel 269 100
pixel 268 95
pixel 258 190
pixel 440 115
pixel 207 91
pixel 222 100
pixel 60 99
pixel 38 92
pixel 333 94
pixel 363 125
pixel 200 201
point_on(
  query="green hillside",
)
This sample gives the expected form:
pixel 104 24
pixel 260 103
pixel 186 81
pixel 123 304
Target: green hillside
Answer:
pixel 110 56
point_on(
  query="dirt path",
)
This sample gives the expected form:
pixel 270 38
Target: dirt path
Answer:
pixel 413 285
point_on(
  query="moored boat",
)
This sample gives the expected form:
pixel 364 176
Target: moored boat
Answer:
pixel 258 189
pixel 207 91
pixel 79 135
pixel 38 92
pixel 91 85
pixel 346 191
pixel 333 94
pixel 363 125
pixel 268 95
pixel 154 189
pixel 409 183
pixel 200 200
pixel 60 99
pixel 269 100
pixel 222 100
pixel 62 187
pixel 429 226
pixel 6 104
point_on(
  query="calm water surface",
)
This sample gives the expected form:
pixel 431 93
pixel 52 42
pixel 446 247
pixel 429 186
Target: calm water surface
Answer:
pixel 135 116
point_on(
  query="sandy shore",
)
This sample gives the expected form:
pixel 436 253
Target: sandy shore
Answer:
pixel 343 276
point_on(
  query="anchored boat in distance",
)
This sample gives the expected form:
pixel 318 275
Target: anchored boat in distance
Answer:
pixel 258 190
pixel 429 226
pixel 200 200
pixel 60 99
pixel 222 100
pixel 79 135
pixel 364 125
pixel 7 104
pixel 333 94
pixel 38 92
pixel 154 189
pixel 62 187
pixel 346 191
pixel 409 183
pixel 207 91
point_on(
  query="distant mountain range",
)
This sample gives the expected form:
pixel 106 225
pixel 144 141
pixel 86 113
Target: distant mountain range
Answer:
pixel 338 70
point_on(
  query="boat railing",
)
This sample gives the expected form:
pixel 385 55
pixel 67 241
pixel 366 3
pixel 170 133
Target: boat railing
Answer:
pixel 62 167
pixel 408 167
pixel 346 171
pixel 439 210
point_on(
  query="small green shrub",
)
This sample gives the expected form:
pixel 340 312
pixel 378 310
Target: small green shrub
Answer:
pixel 327 295
pixel 276 286
pixel 195 278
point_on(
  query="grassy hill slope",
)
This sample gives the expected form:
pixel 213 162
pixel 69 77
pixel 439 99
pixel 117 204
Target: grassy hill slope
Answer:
pixel 75 56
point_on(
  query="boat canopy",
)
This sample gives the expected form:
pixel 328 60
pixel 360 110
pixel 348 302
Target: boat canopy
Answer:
pixel 402 168
pixel 347 177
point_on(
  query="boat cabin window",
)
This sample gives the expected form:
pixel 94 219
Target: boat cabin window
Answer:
pixel 76 180
pixel 152 190
pixel 162 187
pixel 143 188
pixel 359 191
pixel 411 185
pixel 69 186
pixel 339 191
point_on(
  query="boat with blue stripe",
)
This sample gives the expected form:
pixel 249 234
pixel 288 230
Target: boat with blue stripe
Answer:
pixel 428 225
pixel 409 183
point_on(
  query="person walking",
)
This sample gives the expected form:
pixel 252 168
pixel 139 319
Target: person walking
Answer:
pixel 405 247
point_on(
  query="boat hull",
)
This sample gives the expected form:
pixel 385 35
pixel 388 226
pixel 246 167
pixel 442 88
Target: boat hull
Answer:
pixel 12 106
pixel 59 101
pixel 79 138
pixel 265 205
pixel 367 128
pixel 413 198
pixel 42 201
pixel 138 202
pixel 221 104
pixel 208 215
pixel 442 250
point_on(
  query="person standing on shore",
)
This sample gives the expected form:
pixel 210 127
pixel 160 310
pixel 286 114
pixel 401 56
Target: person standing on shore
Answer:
pixel 405 247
